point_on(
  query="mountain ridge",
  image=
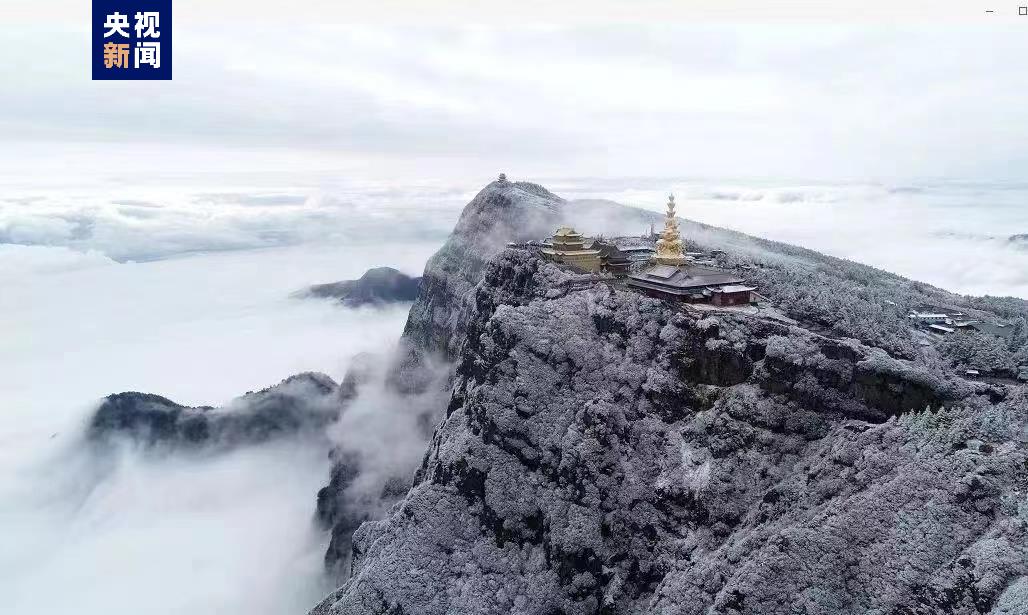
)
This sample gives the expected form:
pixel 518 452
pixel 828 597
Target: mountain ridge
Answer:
pixel 606 452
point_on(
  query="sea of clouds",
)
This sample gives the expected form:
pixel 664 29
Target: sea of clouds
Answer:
pixel 142 223
pixel 183 288
pixel 134 532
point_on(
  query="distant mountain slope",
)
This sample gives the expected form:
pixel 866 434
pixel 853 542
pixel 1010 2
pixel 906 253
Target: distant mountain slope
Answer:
pixel 377 286
pixel 304 403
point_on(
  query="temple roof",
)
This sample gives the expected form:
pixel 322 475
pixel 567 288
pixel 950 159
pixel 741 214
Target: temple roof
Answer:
pixel 609 251
pixel 567 231
pixel 678 280
pixel 735 288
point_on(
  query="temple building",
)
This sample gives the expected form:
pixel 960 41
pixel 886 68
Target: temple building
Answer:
pixel 672 278
pixel 612 259
pixel 568 247
pixel 638 254
pixel 695 284
pixel 669 246
pixel 732 294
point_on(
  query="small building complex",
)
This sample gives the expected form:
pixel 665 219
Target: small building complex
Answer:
pixel 944 322
pixel 674 277
pixel 660 269
pixel 928 317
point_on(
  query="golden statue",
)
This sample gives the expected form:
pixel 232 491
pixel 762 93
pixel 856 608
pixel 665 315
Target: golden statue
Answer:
pixel 669 246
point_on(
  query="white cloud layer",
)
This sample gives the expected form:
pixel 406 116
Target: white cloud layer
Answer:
pixel 133 222
pixel 225 534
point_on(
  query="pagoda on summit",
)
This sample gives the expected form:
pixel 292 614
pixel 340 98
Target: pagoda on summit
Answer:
pixel 669 246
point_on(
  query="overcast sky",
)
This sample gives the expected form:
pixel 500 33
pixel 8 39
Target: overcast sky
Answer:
pixel 804 102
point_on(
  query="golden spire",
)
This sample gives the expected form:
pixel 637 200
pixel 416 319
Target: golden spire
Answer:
pixel 669 246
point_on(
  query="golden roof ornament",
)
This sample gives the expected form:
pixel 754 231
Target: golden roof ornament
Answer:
pixel 669 246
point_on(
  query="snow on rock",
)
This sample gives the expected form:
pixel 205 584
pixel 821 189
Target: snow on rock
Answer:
pixel 607 452
pixel 416 387
pixel 501 212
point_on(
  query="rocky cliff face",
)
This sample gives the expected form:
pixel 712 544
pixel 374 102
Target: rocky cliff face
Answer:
pixel 502 212
pixel 606 452
pixel 421 370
